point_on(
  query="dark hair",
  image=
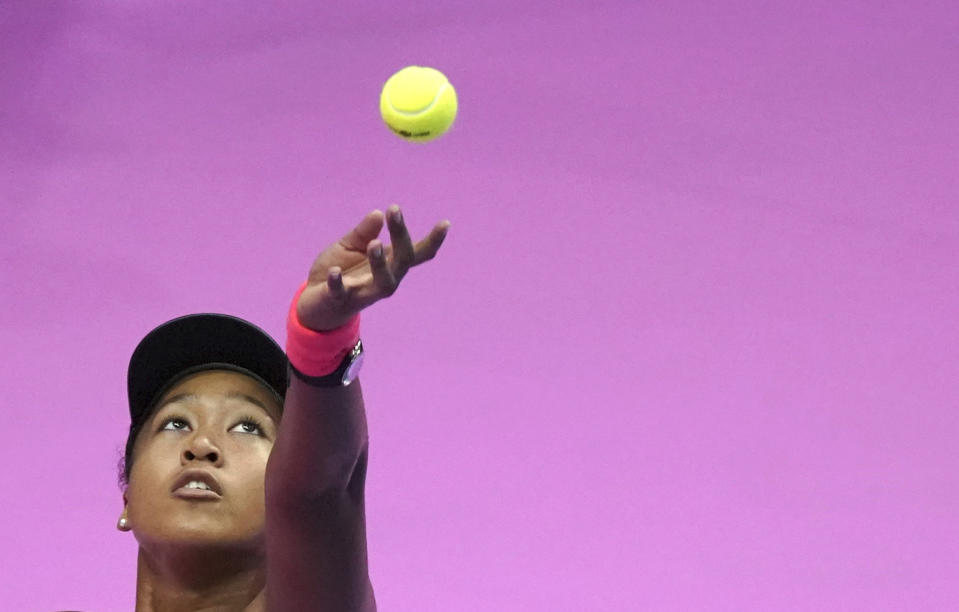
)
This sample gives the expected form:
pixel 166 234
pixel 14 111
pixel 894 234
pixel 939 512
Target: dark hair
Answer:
pixel 125 463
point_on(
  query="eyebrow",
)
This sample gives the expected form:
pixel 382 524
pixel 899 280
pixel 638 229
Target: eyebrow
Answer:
pixel 231 395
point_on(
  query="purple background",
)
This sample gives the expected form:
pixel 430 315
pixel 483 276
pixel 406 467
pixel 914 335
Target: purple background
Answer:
pixel 691 343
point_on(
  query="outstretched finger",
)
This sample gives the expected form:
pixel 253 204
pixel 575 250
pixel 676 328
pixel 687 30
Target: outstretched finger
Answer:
pixel 426 249
pixel 402 255
pixel 334 281
pixel 383 278
pixel 367 229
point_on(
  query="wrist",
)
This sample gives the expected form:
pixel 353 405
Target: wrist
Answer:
pixel 317 353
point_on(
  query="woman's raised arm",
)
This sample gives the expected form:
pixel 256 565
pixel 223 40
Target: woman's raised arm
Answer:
pixel 316 474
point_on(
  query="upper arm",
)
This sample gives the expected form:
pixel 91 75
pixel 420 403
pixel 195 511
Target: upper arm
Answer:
pixel 316 555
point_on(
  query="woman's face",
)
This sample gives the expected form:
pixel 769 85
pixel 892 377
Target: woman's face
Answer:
pixel 204 422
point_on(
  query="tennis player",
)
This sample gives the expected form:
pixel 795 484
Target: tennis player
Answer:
pixel 245 466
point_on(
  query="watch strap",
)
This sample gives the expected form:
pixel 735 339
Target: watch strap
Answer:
pixel 334 379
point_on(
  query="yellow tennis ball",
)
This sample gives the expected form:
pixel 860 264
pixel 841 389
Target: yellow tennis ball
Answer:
pixel 418 103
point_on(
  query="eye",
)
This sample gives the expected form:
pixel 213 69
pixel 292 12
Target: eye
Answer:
pixel 252 425
pixel 173 419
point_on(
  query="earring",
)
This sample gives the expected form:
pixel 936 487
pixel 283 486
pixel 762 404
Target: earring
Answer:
pixel 122 524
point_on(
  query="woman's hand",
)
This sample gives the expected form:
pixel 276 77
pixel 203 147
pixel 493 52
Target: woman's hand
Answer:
pixel 349 275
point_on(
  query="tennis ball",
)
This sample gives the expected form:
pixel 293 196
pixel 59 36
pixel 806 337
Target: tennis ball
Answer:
pixel 418 103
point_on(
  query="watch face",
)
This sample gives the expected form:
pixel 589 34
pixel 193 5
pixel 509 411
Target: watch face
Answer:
pixel 354 369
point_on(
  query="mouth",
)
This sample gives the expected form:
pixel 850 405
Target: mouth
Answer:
pixel 197 484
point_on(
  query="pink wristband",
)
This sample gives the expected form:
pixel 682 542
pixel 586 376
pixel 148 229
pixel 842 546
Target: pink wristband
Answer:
pixel 317 353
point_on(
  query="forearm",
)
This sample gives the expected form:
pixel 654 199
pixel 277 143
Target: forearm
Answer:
pixel 315 511
pixel 322 436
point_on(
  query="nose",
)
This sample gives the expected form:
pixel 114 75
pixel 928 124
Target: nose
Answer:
pixel 202 447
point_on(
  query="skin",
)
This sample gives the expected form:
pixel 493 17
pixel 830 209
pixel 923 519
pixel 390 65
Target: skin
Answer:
pixel 198 554
pixel 212 555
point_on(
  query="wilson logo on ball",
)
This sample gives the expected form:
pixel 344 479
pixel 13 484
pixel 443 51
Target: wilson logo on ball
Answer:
pixel 418 103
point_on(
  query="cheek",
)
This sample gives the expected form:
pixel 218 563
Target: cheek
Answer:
pixel 254 467
pixel 252 482
pixel 146 474
pixel 154 461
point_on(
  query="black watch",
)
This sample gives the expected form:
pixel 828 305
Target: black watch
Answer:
pixel 341 377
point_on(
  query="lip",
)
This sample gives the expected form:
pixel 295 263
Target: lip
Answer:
pixel 186 493
pixel 180 490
